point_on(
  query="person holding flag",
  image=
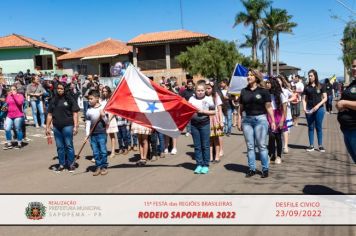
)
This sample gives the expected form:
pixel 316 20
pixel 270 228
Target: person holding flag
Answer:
pixel 96 129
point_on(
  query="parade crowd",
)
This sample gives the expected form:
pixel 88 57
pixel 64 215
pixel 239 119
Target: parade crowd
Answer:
pixel 266 111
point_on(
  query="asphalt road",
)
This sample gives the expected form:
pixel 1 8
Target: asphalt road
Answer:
pixel 28 171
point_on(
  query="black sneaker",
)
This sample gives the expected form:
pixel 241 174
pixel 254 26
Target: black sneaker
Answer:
pixel 264 174
pixel 7 146
pixel 59 169
pixel 71 169
pixel 310 149
pixel 321 149
pixel 250 173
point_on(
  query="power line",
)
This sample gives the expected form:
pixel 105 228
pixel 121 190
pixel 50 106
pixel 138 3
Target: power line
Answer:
pixel 347 7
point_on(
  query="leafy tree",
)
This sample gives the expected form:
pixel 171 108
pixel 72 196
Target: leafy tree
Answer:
pixel 349 44
pixel 211 59
pixel 252 16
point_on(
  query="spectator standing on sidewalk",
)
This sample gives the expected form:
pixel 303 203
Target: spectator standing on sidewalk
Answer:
pixel 35 92
pixel 14 117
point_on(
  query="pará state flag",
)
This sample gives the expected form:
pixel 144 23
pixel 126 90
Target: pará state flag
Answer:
pixel 144 102
pixel 238 80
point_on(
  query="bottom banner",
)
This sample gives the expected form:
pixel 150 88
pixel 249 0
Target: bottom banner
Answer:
pixel 178 210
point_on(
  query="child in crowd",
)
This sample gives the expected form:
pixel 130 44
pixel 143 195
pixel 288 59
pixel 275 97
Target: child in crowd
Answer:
pixel 279 106
pixel 201 127
pixel 96 121
pixel 216 123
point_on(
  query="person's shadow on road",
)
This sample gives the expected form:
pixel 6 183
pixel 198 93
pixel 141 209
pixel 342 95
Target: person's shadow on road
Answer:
pixel 236 168
pixel 320 189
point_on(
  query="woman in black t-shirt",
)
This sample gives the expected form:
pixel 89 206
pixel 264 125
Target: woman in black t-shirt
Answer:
pixel 347 114
pixel 314 97
pixel 63 111
pixel 255 103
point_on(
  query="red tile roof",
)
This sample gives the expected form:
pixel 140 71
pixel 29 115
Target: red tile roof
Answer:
pixel 105 47
pixel 166 36
pixel 19 41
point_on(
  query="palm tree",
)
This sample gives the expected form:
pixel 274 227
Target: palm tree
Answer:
pixel 252 16
pixel 248 43
pixel 283 26
pixel 269 25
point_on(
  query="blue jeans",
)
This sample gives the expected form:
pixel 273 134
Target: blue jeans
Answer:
pixel 315 120
pixel 17 122
pixel 37 106
pixel 134 138
pixel 201 140
pixel 98 145
pixel 350 142
pixel 228 121
pixel 189 127
pixel 24 107
pixel 161 139
pixel 255 129
pixel 85 108
pixel 122 137
pixel 329 103
pixel 64 143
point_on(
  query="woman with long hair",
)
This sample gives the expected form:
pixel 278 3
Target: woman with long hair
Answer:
pixel 15 117
pixel 314 97
pixel 63 111
pixel 111 129
pixel 279 106
pixel 287 92
pixel 216 123
pixel 255 103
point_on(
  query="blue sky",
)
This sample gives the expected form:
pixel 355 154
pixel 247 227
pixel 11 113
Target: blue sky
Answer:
pixel 75 24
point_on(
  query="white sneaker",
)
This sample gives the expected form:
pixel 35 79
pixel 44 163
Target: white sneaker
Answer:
pixel 187 134
pixel 278 160
pixel 174 151
pixel 285 150
pixel 166 151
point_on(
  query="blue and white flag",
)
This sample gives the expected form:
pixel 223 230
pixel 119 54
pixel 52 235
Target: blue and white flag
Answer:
pixel 238 80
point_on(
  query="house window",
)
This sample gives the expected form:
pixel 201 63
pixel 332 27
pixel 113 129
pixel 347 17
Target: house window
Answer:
pixel 44 62
pixel 82 69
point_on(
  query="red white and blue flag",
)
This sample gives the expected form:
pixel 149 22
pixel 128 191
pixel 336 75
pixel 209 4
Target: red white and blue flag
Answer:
pixel 144 102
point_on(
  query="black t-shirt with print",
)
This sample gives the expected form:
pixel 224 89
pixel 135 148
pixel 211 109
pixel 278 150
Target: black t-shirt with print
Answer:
pixel 62 111
pixel 347 119
pixel 254 101
pixel 314 95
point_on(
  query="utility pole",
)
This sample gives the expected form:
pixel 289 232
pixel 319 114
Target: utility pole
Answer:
pixel 181 14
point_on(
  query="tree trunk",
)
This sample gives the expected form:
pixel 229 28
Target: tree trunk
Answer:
pixel 255 42
pixel 270 44
pixel 277 54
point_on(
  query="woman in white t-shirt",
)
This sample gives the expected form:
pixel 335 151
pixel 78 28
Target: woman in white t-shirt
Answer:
pixel 201 127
